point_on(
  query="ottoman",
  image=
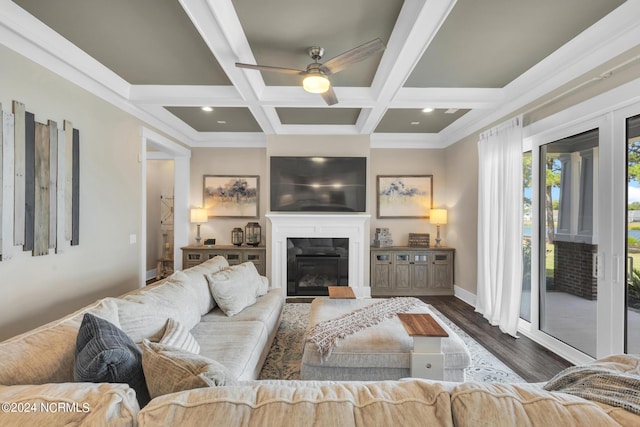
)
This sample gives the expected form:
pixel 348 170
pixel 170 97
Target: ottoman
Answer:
pixel 380 352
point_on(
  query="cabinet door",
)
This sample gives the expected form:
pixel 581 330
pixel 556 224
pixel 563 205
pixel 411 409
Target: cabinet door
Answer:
pixel 441 271
pixel 234 257
pixel 419 270
pixel 382 272
pixel 256 257
pixel 402 264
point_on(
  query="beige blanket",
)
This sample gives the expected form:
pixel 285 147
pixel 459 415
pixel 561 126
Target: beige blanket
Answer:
pixel 602 385
pixel 326 334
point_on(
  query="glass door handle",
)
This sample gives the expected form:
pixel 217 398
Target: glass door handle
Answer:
pixel 630 271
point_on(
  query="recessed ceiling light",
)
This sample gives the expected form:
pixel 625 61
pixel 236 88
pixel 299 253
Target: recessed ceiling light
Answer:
pixel 207 109
pixel 222 122
pixel 415 123
pixel 451 111
pixel 427 110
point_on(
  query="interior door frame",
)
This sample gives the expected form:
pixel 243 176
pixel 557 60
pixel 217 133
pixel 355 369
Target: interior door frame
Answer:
pixel 166 149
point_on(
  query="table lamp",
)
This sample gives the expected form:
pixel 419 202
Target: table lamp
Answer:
pixel 198 216
pixel 438 217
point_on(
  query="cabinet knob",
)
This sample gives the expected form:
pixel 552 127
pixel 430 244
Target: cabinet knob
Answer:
pixel 428 366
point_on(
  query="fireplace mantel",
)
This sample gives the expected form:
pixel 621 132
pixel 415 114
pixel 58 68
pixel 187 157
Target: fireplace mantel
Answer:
pixel 353 227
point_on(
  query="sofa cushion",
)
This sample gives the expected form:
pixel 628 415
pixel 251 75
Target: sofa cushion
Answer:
pixel 240 346
pixel 46 354
pixel 199 283
pixel 236 287
pixel 402 403
pixel 169 369
pixel 176 335
pixel 104 353
pixel 144 314
pixel 522 404
pixel 85 404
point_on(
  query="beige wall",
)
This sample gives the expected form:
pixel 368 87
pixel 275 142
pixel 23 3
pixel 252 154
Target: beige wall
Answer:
pixel 40 289
pixel 409 162
pixel 226 161
pixel 461 200
pixel 159 183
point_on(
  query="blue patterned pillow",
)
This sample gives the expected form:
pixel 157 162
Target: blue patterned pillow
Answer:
pixel 104 353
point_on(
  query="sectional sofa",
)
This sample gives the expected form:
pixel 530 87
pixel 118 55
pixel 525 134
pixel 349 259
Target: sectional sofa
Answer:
pixel 203 343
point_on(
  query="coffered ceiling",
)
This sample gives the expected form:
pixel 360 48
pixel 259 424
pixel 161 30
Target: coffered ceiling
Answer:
pixel 469 60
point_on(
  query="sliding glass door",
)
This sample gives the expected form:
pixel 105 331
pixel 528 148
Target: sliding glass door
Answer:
pixel 568 242
pixel 633 236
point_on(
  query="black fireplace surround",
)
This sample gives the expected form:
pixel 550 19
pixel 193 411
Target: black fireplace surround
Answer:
pixel 313 264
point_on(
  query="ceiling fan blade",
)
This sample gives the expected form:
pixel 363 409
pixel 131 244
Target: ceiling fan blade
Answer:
pixel 352 56
pixel 330 96
pixel 269 68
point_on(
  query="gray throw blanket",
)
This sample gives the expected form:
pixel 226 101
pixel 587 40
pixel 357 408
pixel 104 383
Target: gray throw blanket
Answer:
pixel 326 334
pixel 602 385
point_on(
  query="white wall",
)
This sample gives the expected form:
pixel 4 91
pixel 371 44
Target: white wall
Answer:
pixel 36 290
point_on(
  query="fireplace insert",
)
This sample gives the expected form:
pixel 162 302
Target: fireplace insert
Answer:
pixel 314 264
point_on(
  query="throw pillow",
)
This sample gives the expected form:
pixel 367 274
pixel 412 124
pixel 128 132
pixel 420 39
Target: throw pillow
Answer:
pixel 235 288
pixel 104 353
pixel 169 370
pixel 177 335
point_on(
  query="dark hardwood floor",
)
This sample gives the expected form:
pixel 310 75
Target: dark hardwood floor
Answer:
pixel 528 359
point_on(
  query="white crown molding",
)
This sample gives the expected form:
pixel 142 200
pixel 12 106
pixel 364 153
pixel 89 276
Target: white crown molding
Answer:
pixel 435 97
pixel 230 140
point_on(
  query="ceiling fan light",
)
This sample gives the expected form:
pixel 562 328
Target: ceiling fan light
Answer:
pixel 316 83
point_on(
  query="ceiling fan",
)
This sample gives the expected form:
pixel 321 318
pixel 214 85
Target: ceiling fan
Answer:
pixel 317 74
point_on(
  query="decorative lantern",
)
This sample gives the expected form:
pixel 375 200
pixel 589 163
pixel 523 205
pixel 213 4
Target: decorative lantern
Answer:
pixel 237 236
pixel 253 233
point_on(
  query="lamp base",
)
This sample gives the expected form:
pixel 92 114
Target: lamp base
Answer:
pixel 438 239
pixel 198 239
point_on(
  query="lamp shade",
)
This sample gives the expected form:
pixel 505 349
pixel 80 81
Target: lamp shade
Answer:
pixel 438 216
pixel 316 83
pixel 198 216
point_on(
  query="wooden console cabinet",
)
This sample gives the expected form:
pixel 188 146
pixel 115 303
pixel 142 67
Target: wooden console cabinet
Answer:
pixel 194 255
pixel 411 271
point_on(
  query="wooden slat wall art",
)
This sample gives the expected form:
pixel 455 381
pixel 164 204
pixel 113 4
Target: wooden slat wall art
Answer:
pixel 29 180
pixel 7 184
pixel 39 184
pixel 75 239
pixel 19 171
pixel 68 180
pixel 61 242
pixel 53 183
pixel 41 224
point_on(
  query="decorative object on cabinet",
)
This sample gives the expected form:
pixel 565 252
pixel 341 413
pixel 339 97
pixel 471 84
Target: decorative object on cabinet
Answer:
pixel 253 233
pixel 210 242
pixel 231 196
pixel 404 196
pixel 438 217
pixel 198 216
pixel 194 255
pixel 382 238
pixel 419 240
pixel 237 236
pixel 411 271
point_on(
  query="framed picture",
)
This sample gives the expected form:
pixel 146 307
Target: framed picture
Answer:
pixel 404 196
pixel 231 196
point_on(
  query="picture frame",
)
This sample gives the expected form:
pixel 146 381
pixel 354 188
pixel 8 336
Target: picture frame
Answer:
pixel 404 196
pixel 231 196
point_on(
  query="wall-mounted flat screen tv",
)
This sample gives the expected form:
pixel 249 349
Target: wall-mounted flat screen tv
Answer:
pixel 318 184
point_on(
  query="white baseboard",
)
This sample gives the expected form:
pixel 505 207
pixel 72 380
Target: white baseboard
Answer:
pixel 151 274
pixel 464 295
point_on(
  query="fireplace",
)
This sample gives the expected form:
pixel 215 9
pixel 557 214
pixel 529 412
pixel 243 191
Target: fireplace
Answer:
pixel 314 264
pixel 353 228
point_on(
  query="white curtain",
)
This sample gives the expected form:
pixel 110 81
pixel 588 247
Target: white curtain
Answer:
pixel 500 225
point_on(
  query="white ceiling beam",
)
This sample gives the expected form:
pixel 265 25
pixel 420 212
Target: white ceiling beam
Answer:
pixel 417 25
pixel 407 140
pixel 186 95
pixel 220 29
pixel 613 35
